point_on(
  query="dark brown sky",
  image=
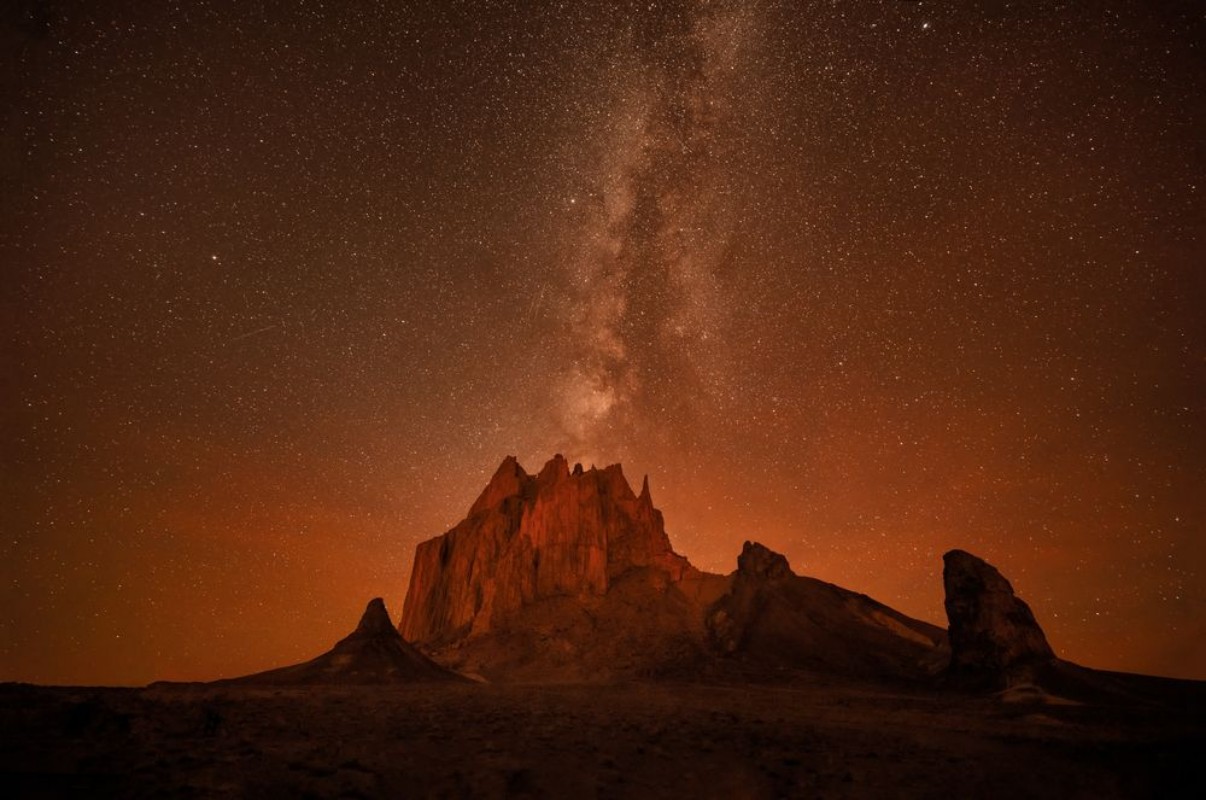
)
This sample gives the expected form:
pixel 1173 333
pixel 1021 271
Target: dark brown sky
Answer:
pixel 284 282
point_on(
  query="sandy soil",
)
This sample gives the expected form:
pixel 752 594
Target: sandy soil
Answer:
pixel 634 740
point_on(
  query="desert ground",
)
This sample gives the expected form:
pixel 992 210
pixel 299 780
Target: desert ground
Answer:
pixel 816 738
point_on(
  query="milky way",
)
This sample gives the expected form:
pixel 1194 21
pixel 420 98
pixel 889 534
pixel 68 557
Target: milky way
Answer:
pixel 285 282
pixel 646 312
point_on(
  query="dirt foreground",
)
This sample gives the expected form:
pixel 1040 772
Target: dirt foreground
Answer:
pixel 632 740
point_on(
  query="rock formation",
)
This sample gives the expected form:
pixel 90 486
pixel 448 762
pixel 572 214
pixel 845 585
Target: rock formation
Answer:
pixel 994 638
pixel 373 653
pixel 528 538
pixel 569 575
pixel 774 618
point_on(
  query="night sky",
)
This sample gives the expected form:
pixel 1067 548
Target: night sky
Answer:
pixel 284 282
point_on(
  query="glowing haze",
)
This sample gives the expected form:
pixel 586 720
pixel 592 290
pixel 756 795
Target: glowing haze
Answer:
pixel 862 281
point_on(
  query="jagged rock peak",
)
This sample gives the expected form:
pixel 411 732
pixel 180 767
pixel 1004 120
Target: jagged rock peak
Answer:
pixel 994 636
pixel 509 480
pixel 759 561
pixel 558 534
pixel 556 469
pixel 375 620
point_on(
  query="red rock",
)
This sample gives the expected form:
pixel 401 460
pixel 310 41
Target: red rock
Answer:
pixel 761 563
pixel 556 534
pixel 508 481
pixel 569 575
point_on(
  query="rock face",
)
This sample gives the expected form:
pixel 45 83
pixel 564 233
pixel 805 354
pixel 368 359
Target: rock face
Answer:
pixel 995 640
pixel 760 564
pixel 774 618
pixel 568 575
pixel 528 538
pixel 373 653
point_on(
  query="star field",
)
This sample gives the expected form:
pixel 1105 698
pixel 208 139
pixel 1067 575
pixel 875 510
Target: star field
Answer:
pixel 284 283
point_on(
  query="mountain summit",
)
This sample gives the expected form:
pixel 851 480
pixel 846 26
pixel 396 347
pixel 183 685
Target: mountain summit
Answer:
pixel 559 533
pixel 569 575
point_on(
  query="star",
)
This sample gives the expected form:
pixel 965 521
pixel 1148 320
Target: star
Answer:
pixel 746 248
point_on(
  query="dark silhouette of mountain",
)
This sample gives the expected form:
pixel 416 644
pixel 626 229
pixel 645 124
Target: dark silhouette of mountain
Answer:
pixel 373 653
pixel 997 645
pixel 774 618
pixel 995 640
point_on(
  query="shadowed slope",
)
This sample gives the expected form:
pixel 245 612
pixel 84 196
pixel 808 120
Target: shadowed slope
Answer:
pixel 773 618
pixel 997 645
pixel 373 653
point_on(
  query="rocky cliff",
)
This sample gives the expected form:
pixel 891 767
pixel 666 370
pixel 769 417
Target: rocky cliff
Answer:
pixel 568 575
pixel 559 533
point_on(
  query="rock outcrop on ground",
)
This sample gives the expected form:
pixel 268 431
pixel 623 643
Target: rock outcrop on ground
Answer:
pixel 528 538
pixel 995 640
pixel 373 653
pixel 568 575
pixel 773 618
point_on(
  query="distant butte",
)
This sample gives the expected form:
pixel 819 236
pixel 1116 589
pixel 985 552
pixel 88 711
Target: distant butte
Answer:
pixel 570 575
pixel 528 538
